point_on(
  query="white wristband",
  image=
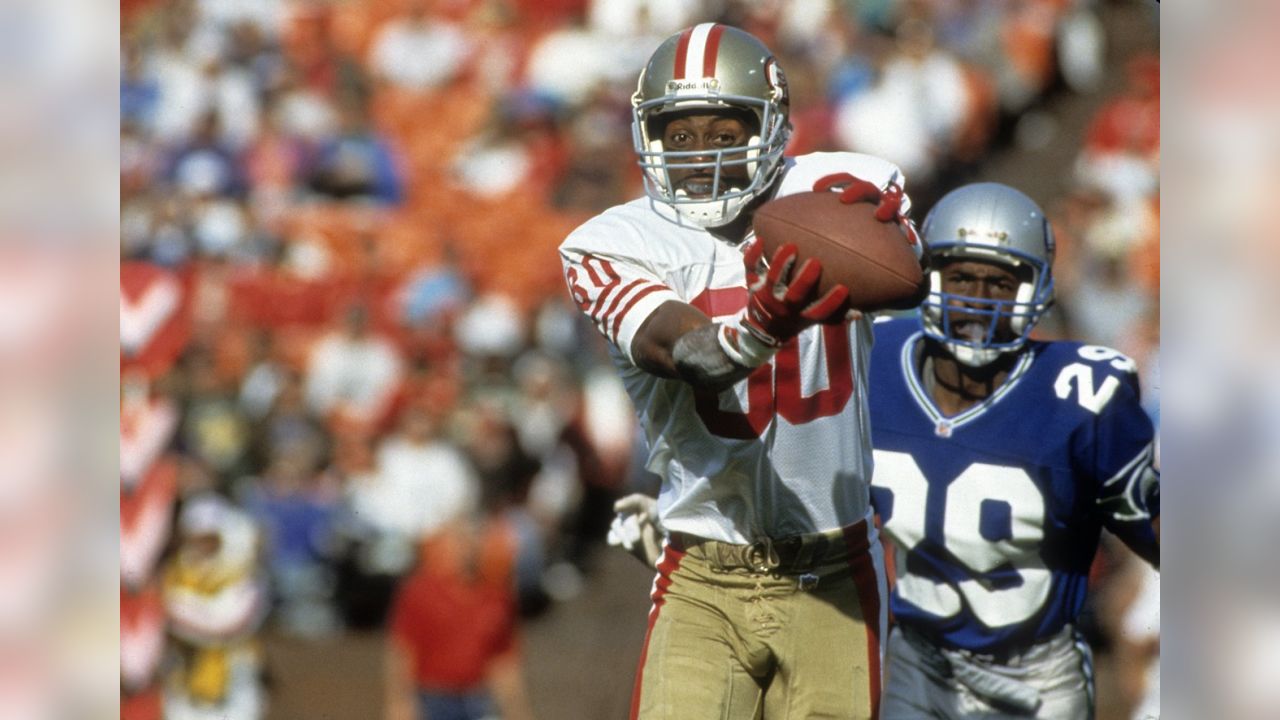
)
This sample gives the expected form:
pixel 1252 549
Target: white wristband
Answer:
pixel 743 347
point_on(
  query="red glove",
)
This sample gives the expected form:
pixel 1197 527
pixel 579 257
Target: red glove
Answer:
pixel 780 306
pixel 782 303
pixel 888 201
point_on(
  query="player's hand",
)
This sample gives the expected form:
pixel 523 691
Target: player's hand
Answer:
pixel 888 203
pixel 642 506
pixel 783 299
pixel 635 528
pixel 855 190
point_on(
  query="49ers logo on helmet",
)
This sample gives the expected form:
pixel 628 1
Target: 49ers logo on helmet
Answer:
pixel 777 80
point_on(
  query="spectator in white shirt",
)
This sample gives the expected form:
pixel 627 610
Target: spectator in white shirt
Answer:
pixel 422 480
pixel 352 372
pixel 419 53
pixel 915 109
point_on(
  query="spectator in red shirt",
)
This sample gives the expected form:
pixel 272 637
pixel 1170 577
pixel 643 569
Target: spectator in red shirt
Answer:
pixel 453 631
pixel 1131 122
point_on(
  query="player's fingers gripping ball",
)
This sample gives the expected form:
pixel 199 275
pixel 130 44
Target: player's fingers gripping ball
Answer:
pixel 783 301
pixel 888 202
pixel 822 310
pixel 855 190
pixel 860 234
pixel 826 309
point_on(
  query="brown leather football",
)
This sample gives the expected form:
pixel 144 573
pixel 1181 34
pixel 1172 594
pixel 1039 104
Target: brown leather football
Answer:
pixel 873 259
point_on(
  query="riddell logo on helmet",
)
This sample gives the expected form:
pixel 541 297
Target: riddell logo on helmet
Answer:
pixel 711 85
pixel 990 237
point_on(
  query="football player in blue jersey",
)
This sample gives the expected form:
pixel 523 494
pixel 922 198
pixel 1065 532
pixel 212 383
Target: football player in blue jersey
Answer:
pixel 998 461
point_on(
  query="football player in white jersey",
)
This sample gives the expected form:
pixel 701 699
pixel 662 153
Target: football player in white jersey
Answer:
pixel 769 597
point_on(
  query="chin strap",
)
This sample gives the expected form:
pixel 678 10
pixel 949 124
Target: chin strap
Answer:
pixel 712 213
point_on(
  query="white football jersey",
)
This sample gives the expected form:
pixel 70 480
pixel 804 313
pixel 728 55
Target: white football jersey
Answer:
pixel 783 452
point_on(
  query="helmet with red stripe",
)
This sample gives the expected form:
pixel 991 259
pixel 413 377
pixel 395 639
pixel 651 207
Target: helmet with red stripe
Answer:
pixel 716 68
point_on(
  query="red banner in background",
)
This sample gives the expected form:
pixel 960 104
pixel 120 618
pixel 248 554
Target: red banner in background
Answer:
pixel 155 318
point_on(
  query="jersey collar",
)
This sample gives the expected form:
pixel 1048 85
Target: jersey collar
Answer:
pixel 943 425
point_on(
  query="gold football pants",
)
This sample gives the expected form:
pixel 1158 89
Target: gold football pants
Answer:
pixel 777 630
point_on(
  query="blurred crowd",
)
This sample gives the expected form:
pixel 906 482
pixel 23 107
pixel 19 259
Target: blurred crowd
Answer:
pixel 349 366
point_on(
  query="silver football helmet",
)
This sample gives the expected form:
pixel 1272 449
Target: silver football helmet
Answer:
pixel 988 222
pixel 715 67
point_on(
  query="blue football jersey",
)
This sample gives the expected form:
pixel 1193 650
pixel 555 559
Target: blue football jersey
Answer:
pixel 995 513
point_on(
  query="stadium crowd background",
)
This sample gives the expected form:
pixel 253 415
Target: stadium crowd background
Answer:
pixel 345 339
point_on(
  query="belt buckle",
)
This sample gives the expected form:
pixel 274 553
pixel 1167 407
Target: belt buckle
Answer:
pixel 807 582
pixel 761 557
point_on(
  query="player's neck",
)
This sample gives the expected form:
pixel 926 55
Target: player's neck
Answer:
pixel 735 231
pixel 956 387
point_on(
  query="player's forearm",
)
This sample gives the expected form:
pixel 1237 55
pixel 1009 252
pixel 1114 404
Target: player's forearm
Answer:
pixel 680 341
pixel 701 361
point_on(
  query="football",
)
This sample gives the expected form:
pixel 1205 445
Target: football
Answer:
pixel 873 259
